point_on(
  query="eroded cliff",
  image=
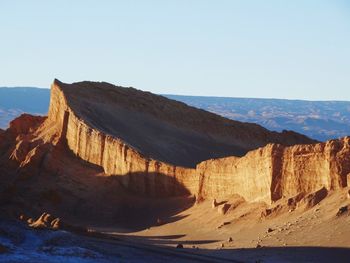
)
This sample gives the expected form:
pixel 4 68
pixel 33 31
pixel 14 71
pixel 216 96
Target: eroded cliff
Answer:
pixel 154 126
pixel 156 147
pixel 275 171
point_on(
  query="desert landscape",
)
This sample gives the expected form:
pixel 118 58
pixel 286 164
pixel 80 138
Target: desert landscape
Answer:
pixel 175 131
pixel 129 176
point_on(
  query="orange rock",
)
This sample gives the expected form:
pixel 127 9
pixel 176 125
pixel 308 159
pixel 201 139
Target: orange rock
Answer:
pixel 214 204
pixel 42 222
pixel 275 171
pixel 222 209
pixel 159 147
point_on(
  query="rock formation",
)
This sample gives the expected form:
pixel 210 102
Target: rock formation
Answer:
pixel 97 117
pixel 276 171
pixel 154 146
pixel 139 136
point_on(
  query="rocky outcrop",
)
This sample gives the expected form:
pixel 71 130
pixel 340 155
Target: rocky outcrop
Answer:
pixel 156 147
pixel 25 124
pixel 81 113
pixel 92 115
pixel 136 172
pixel 275 171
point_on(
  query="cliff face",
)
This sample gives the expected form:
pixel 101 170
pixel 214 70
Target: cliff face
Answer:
pixel 91 124
pixel 276 171
pixel 249 176
pixel 137 173
pixel 152 125
pixel 89 117
pixel 156 147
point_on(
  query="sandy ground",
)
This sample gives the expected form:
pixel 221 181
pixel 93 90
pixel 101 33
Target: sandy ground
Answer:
pixel 314 234
pixel 303 235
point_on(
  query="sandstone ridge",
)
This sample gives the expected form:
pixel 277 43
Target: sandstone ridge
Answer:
pixel 154 126
pixel 158 147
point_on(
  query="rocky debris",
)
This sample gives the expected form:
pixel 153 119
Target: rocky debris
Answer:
pixel 293 201
pixel 47 221
pixel 222 209
pixel 179 246
pixel 230 239
pixel 269 230
pixel 314 198
pixel 348 194
pixel 56 224
pixel 23 217
pixel 214 204
pixel 272 211
pixel 223 224
pixel 258 245
pixel 43 222
pixel 222 245
pixel 343 210
pixel 237 201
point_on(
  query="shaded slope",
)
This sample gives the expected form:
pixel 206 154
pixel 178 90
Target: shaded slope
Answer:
pixel 164 129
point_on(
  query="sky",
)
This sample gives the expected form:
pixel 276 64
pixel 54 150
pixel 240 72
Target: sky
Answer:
pixel 262 49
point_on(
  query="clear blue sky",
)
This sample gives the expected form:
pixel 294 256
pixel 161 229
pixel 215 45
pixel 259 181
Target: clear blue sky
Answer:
pixel 282 49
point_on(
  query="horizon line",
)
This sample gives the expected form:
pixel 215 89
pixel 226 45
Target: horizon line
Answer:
pixel 201 96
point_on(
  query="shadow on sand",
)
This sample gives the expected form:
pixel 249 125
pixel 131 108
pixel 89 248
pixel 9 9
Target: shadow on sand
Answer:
pixel 192 252
pixel 66 186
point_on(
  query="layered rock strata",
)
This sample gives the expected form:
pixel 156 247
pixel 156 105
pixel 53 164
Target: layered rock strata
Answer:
pixel 154 126
pixel 156 147
pixel 275 171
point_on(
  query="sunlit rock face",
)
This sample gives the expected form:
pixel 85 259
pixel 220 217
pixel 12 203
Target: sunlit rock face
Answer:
pixel 158 147
pixel 137 134
pixel 276 171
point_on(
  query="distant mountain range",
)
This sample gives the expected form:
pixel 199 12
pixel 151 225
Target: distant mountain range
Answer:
pixel 321 120
pixel 15 101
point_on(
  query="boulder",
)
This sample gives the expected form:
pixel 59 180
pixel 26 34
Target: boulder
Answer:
pixel 343 210
pixel 42 222
pixel 314 198
pixel 222 209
